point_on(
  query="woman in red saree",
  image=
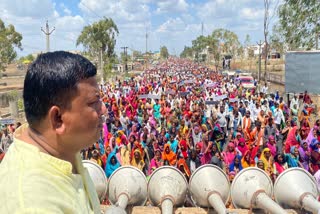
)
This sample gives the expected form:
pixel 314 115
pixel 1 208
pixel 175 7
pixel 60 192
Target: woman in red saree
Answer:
pixel 293 139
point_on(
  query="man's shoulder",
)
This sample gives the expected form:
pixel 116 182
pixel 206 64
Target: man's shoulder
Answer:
pixel 35 192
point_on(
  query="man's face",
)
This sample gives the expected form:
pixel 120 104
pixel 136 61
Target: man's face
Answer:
pixel 248 114
pixel 222 109
pixel 258 125
pixel 193 155
pixel 171 139
pixel 83 120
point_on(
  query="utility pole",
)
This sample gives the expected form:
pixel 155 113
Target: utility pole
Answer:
pixel 125 57
pixel 47 32
pixel 101 64
pixel 146 57
pixel 317 35
pixel 146 40
pixel 259 72
pixel 202 28
pixel 317 40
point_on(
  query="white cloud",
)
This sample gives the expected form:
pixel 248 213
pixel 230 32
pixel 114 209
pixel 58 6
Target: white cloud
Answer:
pixel 22 8
pixel 172 25
pixel 121 11
pixel 131 17
pixel 69 23
pixel 65 9
pixel 251 13
pixel 166 6
pixel 29 16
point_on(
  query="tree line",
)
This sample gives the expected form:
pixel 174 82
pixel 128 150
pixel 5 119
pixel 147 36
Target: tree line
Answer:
pixel 297 28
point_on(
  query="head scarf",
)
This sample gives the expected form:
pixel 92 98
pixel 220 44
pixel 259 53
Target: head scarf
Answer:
pixel 229 156
pixel 266 162
pixel 232 165
pixel 182 162
pixel 314 144
pixel 292 161
pixel 243 149
pixel 171 157
pixel 244 162
pixel 271 138
pixel 311 136
pixel 185 150
pixel 137 163
pixel 291 140
pixel 109 167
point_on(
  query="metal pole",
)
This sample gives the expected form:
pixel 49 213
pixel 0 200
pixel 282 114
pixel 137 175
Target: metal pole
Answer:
pixel 126 59
pixel 101 63
pixel 47 32
pixel 259 71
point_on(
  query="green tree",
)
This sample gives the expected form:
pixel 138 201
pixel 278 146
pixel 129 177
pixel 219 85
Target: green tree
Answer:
pixel 136 54
pixel 299 23
pixel 187 52
pixel 228 41
pixel 198 46
pixel 99 40
pixel 164 54
pixel 9 39
pixel 124 58
pixel 30 57
pixel 247 44
pixel 225 42
pixel 276 40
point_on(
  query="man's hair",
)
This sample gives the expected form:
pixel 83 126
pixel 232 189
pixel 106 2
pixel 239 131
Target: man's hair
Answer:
pixel 52 80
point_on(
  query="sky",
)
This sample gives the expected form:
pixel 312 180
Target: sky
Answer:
pixel 173 23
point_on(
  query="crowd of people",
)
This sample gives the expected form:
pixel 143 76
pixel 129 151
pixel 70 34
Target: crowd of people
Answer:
pixel 185 115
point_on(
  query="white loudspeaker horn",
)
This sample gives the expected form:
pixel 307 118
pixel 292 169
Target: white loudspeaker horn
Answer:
pixel 98 177
pixel 296 188
pixel 127 186
pixel 167 187
pixel 252 189
pixel 209 185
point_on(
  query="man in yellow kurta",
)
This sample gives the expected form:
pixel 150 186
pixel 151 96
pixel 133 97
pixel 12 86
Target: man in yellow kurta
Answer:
pixel 42 171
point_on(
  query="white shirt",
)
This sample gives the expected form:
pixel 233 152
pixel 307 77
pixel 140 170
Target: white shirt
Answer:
pixel 222 119
pixel 254 113
pixel 278 116
pixel 264 89
pixel 294 102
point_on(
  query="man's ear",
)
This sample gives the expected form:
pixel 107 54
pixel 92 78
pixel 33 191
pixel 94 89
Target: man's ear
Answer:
pixel 55 117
